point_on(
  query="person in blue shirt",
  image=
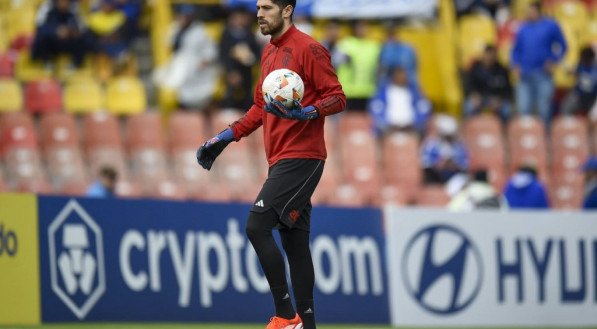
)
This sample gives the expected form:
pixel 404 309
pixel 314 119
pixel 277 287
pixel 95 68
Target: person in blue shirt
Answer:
pixel 524 190
pixel 443 154
pixel 105 186
pixel 590 169
pixel 397 54
pixel 399 105
pixel 538 47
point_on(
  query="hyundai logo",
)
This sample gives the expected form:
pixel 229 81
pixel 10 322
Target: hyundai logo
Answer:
pixel 442 269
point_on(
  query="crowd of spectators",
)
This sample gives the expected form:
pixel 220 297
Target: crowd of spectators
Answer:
pixel 380 78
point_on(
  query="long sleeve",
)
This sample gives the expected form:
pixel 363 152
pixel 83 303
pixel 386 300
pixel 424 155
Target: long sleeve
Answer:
pixel 318 69
pixel 559 40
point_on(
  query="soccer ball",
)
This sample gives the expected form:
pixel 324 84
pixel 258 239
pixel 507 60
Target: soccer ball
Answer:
pixel 284 85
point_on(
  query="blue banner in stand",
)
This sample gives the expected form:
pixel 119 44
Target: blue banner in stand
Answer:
pixel 145 260
pixel 356 8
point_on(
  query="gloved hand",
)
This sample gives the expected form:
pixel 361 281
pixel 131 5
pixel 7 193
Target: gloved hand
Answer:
pixel 298 112
pixel 209 151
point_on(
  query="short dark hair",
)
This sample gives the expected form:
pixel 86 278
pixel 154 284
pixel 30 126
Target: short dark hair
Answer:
pixel 537 5
pixel 283 3
pixel 109 173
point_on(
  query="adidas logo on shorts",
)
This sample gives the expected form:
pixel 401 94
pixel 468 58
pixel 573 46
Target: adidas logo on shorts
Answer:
pixel 259 203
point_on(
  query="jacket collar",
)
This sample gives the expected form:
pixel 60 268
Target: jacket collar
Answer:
pixel 284 37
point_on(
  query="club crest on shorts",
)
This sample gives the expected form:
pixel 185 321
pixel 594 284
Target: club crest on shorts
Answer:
pixel 294 215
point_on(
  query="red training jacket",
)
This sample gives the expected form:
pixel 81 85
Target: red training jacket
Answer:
pixel 288 139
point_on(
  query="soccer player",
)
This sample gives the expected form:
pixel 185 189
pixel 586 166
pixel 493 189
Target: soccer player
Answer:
pixel 296 152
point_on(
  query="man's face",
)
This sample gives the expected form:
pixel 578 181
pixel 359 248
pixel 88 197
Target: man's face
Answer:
pixel 63 5
pixel 269 17
pixel 533 13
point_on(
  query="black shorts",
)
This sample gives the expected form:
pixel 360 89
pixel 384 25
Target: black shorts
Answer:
pixel 288 189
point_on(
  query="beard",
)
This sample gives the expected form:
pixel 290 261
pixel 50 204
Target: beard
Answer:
pixel 272 28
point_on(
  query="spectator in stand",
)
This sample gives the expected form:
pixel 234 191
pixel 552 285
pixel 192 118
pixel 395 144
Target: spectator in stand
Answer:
pixel 132 11
pixel 60 31
pixel 476 193
pixel 192 71
pixel 538 47
pixel 108 25
pixel 358 75
pixel 590 169
pixel 105 186
pixel 396 53
pixel 239 52
pixel 330 42
pixel 487 86
pixel 524 190
pixel 582 97
pixel 399 105
pixel 443 155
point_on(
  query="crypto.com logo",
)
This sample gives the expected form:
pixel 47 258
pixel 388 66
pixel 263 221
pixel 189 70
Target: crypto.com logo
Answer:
pixel 76 259
pixel 442 269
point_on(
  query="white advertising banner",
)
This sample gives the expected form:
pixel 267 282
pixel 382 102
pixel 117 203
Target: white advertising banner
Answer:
pixel 491 268
pixel 373 8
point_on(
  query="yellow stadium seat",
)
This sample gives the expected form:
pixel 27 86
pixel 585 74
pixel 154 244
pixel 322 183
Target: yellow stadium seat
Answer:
pixel 572 13
pixel 11 96
pixel 28 70
pixel 562 76
pixel 125 95
pixel 590 34
pixel 3 35
pixel 83 95
pixel 20 22
pixel 475 32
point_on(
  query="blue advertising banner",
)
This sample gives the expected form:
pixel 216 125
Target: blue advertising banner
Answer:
pixel 145 260
pixel 356 8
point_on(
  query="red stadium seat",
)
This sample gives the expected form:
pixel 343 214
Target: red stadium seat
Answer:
pixel 401 164
pixel 187 132
pixel 7 63
pixel 433 196
pixel 358 157
pixel 483 138
pixel 526 141
pixel 567 191
pixel 569 143
pixel 348 195
pixel 146 148
pixel 43 96
pixel 20 154
pixel 102 143
pixel 235 167
pixel 60 144
pixel 329 182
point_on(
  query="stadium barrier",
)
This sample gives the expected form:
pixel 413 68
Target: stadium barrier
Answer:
pixel 19 266
pixel 491 268
pixel 78 259
pixel 142 260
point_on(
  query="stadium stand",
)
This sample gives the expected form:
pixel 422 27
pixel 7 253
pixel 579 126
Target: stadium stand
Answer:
pixel 98 115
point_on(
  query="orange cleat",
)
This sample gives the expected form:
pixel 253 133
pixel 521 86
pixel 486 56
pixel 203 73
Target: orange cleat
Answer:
pixel 281 323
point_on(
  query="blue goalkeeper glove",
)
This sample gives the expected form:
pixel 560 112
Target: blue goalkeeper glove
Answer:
pixel 298 112
pixel 209 151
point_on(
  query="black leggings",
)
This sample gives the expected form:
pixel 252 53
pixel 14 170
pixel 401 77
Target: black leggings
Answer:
pixel 296 245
